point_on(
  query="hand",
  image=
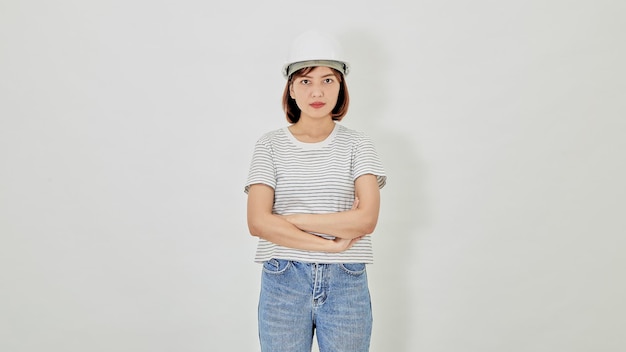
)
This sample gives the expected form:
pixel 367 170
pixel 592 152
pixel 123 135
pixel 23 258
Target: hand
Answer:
pixel 291 218
pixel 355 205
pixel 342 244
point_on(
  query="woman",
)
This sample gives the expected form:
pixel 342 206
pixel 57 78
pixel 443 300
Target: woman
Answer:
pixel 313 200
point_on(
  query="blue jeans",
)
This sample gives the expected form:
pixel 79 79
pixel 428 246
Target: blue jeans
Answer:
pixel 298 299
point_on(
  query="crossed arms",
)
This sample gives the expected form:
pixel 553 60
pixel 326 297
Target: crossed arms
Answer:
pixel 293 230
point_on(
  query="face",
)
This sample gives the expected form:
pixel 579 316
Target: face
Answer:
pixel 316 93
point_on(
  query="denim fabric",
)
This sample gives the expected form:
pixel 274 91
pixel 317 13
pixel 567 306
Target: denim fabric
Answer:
pixel 298 299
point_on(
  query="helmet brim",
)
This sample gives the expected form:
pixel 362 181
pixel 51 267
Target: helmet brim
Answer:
pixel 340 66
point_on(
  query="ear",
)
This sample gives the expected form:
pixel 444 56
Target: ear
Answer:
pixel 291 93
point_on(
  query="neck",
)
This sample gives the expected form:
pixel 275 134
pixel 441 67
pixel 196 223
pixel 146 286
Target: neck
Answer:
pixel 309 130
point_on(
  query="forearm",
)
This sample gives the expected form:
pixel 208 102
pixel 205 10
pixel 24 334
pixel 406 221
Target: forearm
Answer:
pixel 264 224
pixel 276 229
pixel 359 221
pixel 346 224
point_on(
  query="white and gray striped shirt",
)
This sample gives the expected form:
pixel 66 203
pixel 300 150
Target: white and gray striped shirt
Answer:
pixel 314 178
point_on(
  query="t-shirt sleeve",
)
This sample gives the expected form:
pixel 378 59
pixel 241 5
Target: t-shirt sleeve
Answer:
pixel 262 168
pixel 366 161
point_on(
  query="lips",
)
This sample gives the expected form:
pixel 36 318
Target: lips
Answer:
pixel 317 104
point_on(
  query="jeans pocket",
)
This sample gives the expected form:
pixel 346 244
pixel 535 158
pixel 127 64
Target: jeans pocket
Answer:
pixel 276 266
pixel 353 268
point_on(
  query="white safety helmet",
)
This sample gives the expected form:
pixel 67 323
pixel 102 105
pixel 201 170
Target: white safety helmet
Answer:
pixel 314 48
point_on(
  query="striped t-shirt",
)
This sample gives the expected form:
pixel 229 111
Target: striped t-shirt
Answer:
pixel 314 178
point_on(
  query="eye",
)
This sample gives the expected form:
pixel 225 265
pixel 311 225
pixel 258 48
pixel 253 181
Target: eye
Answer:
pixel 305 81
pixel 329 80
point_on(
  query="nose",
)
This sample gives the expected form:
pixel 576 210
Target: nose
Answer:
pixel 317 91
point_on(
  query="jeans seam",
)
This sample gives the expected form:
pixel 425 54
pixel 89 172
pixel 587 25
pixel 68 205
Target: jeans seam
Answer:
pixel 277 272
pixel 352 272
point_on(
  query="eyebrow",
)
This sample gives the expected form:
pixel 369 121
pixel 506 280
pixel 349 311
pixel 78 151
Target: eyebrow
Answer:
pixel 324 76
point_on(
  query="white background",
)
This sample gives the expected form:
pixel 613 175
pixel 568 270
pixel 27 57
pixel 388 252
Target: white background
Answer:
pixel 127 127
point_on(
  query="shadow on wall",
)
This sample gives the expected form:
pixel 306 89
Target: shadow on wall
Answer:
pixel 404 208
